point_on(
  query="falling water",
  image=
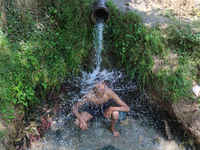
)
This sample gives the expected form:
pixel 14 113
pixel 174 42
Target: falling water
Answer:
pixel 137 131
pixel 98 42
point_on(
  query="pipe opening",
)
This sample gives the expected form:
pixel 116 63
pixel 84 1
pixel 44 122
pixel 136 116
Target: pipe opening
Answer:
pixel 100 15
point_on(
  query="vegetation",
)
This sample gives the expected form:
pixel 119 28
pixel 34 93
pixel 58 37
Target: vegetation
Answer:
pixel 39 49
pixel 37 52
pixel 166 61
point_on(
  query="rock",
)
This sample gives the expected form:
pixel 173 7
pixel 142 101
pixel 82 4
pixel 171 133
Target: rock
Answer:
pixel 167 130
pixel 196 90
pixel 188 114
pixel 127 4
pixel 157 140
pixel 183 111
pixel 58 134
pixel 97 124
pixel 168 145
pixel 109 147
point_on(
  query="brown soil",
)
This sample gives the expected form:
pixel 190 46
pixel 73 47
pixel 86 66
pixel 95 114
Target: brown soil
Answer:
pixel 157 11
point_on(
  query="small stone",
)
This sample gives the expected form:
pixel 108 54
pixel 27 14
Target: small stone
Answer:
pixel 196 90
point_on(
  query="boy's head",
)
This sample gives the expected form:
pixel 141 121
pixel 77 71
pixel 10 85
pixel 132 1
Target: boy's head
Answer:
pixel 100 86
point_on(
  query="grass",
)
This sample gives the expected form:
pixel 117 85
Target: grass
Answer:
pixel 36 56
pixel 135 48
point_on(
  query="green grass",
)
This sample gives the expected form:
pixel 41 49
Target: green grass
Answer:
pixel 135 46
pixel 36 56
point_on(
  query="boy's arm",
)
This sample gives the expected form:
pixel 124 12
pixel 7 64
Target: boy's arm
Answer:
pixel 123 106
pixel 77 105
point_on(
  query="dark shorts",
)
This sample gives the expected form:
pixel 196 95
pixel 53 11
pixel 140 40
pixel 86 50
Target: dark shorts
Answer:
pixel 96 111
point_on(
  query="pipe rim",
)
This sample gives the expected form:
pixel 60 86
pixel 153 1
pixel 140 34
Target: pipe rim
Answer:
pixel 100 8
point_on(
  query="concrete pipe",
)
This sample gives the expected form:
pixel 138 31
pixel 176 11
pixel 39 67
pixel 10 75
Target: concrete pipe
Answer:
pixel 100 12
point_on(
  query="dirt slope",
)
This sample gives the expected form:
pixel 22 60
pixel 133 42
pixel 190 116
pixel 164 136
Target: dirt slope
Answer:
pixel 157 11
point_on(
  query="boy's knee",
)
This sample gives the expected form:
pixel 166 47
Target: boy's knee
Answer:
pixel 86 115
pixel 115 114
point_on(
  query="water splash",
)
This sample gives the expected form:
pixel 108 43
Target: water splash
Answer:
pixel 86 82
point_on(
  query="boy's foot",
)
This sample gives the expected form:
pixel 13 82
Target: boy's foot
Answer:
pixel 115 133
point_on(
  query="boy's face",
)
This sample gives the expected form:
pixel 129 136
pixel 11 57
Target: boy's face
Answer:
pixel 100 87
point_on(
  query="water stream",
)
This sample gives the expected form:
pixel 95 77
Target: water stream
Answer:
pixel 139 130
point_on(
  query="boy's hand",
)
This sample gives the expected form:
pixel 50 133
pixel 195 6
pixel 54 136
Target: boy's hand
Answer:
pixel 83 124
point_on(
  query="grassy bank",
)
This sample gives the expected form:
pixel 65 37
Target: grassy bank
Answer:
pixel 39 51
pixel 166 60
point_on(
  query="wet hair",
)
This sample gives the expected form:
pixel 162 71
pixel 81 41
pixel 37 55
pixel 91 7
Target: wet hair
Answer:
pixel 106 82
pixel 99 82
pixel 100 79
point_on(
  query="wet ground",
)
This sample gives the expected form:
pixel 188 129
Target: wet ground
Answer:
pixel 135 135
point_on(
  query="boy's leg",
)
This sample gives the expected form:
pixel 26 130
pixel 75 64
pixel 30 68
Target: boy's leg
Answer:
pixel 114 118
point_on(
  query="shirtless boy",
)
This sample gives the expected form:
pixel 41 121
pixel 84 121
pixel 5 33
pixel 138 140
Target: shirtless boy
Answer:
pixel 98 97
